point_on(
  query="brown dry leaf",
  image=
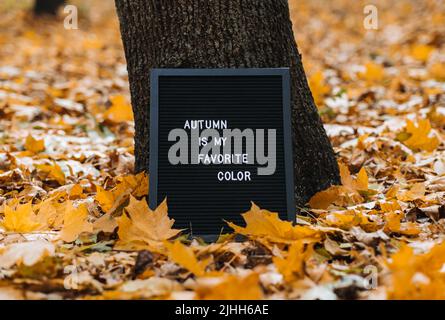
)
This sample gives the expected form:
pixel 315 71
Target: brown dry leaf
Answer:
pixel 230 288
pixel 265 224
pixel 144 227
pixel 34 145
pixel 75 222
pixel 21 219
pixel 186 258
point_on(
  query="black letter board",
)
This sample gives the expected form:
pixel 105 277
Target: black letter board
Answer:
pixel 219 139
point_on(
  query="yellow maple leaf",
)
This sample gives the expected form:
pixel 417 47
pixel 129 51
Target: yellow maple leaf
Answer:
pixel 144 227
pixel 186 258
pixel 104 198
pixel 420 137
pixel 292 266
pixel 437 71
pixel 348 219
pixel 392 192
pixel 373 72
pixel 75 222
pixel 229 287
pixel 106 223
pixel 394 224
pixel 76 191
pixel 390 206
pixel 318 87
pixel 52 172
pixel 49 212
pixel 34 145
pixel 137 185
pixel 120 110
pixel 346 194
pixel 21 219
pixel 416 192
pixel 265 224
pixel 358 184
pixel 362 182
pixel 417 276
pixel 323 199
pixel 421 52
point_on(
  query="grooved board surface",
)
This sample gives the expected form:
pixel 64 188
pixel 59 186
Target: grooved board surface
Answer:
pixel 197 200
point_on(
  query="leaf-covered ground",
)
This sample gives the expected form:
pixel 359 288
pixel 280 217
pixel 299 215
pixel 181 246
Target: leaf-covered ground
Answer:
pixel 73 220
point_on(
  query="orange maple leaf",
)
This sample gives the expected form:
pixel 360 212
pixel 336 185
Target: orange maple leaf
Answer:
pixel 265 224
pixel 143 227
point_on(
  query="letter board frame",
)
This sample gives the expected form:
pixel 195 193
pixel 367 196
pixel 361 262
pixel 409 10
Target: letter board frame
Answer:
pixel 282 73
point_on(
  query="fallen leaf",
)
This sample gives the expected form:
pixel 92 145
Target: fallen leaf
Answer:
pixel 52 172
pixel 105 198
pixel 120 110
pixel 185 257
pixel 229 287
pixel 417 191
pixel 318 87
pixel 106 223
pixel 394 224
pixel 75 222
pixel 265 224
pixel 34 145
pixel 437 71
pixel 373 72
pixel 21 219
pixel 420 136
pixel 292 266
pixel 143 226
pixel 417 276
pixel 421 52
pixel 27 253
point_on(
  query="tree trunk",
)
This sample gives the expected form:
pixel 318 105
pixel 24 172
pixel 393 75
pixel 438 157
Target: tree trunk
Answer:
pixel 49 7
pixel 224 34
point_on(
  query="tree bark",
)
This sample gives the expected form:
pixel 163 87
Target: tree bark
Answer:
pixel 48 7
pixel 224 34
